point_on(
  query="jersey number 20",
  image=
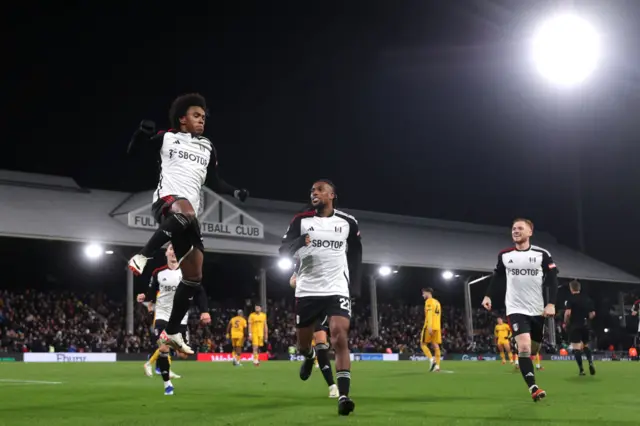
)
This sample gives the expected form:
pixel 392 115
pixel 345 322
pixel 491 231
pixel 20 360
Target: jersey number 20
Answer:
pixel 345 303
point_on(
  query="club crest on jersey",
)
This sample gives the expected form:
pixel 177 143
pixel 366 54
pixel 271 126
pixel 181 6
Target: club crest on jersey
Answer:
pixel 339 229
pixel 533 259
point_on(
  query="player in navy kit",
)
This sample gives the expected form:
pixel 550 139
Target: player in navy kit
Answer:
pixel 185 156
pixel 327 242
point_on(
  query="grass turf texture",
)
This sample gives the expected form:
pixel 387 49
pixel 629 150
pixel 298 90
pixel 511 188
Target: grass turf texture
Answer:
pixel 398 393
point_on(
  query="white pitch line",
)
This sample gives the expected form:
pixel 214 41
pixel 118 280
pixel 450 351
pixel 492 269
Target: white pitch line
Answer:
pixel 29 382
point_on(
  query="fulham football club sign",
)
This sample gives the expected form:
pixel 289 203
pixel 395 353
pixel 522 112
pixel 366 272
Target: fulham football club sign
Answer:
pixel 217 216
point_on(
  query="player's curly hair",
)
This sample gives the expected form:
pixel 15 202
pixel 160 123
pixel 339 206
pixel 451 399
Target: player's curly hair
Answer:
pixel 181 105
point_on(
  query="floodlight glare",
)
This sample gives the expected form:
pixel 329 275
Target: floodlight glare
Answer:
pixel 447 275
pixel 285 264
pixel 384 271
pixel 93 251
pixel 566 49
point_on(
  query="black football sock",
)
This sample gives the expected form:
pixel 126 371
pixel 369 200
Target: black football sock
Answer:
pixel 526 368
pixel 185 291
pixel 322 352
pixel 344 381
pixel 578 356
pixel 164 366
pixel 169 227
pixel 587 353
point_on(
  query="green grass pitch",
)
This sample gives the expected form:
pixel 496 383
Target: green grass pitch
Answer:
pixel 385 393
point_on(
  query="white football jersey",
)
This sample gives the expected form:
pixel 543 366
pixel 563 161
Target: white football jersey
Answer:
pixel 524 271
pixel 184 161
pixel 323 265
pixel 164 282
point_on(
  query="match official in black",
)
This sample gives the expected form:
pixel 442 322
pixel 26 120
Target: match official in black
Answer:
pixel 577 316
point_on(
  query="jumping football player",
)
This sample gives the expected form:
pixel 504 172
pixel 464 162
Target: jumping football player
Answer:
pixel 327 242
pixel 525 269
pixel 184 161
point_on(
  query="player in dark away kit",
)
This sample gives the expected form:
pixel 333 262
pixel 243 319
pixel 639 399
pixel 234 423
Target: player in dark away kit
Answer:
pixel 577 316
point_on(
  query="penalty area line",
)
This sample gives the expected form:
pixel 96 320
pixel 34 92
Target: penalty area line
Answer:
pixel 29 382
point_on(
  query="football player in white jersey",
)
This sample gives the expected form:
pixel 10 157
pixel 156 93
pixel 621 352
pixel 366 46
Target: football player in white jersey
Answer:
pixel 327 242
pixel 160 295
pixel 525 269
pixel 185 157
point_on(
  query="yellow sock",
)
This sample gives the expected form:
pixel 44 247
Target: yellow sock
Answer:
pixel 255 356
pixel 169 357
pixel 538 359
pixel 426 351
pixel 154 357
pixel 502 356
pixel 437 351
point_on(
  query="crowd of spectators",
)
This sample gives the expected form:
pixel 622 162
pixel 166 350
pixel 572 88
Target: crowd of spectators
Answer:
pixel 67 322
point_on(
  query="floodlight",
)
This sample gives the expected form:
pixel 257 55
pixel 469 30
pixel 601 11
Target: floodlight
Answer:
pixel 447 275
pixel 93 251
pixel 566 49
pixel 285 264
pixel 384 271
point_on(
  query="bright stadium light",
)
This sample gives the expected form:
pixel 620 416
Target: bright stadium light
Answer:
pixel 108 252
pixel 566 49
pixel 447 275
pixel 285 264
pixel 93 251
pixel 384 271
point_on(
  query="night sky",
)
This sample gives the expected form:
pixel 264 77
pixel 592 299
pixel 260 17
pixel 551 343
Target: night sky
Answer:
pixel 421 108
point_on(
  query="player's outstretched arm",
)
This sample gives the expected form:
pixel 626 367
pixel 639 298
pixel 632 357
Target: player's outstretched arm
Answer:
pixel 145 133
pixel 220 186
